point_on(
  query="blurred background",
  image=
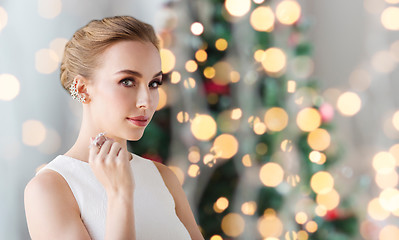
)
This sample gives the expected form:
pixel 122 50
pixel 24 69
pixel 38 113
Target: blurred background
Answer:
pixel 279 117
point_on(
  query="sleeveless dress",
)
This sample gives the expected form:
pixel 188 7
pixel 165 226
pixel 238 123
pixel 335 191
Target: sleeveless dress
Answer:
pixel 154 206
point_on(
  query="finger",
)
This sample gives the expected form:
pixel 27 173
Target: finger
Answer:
pixel 105 148
pixel 115 148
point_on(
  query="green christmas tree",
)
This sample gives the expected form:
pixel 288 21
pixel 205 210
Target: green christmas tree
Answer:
pixel 245 123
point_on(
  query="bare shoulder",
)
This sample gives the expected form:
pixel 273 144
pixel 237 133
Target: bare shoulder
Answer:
pixel 182 206
pixel 51 209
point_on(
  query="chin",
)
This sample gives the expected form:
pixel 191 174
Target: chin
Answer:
pixel 134 137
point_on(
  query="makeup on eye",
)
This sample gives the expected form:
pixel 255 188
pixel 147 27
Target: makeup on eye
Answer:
pixel 131 82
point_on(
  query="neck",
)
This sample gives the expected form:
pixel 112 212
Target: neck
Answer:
pixel 80 150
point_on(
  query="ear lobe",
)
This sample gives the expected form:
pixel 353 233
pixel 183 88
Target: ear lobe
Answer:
pixel 81 87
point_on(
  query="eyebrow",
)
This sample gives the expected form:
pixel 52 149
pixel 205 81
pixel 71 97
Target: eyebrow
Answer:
pixel 135 73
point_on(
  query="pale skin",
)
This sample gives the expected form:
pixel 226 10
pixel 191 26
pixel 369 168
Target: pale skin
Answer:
pixel 114 93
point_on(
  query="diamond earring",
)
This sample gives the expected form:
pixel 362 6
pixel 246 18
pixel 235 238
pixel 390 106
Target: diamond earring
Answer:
pixel 75 94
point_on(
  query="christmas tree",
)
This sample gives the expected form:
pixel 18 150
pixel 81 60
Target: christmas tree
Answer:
pixel 242 123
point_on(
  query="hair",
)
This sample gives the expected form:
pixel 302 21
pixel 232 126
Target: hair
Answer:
pixel 89 42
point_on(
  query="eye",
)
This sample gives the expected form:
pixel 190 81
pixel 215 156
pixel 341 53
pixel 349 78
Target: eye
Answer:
pixel 155 84
pixel 127 82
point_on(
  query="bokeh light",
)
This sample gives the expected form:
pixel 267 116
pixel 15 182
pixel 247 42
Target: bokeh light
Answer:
pixel 311 226
pixel 222 73
pixel 389 199
pixel 308 119
pixel 225 146
pixel 221 204
pixel 189 83
pixel 291 86
pixel 317 157
pixel 9 87
pixel 175 77
pixel 237 8
pixel 276 119
pixel 163 98
pixel 33 132
pixel 376 211
pixel 191 66
pixel 262 19
pixel 193 170
pixel 3 18
pixel 221 44
pixel 384 162
pixel 201 55
pixel 389 232
pixel 233 224
pixel 249 208
pixel 390 18
pixel 301 217
pixel 49 8
pixel 349 103
pixel 271 174
pixel 269 225
pixel 209 72
pixel 319 139
pixel 203 127
pixel 246 160
pixel 46 61
pixel 183 117
pixel 274 61
pixel 395 120
pixel 168 60
pixel 329 200
pixel 387 179
pixel 322 182
pixel 288 12
pixel 197 28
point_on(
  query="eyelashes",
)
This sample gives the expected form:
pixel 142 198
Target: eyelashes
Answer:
pixel 130 82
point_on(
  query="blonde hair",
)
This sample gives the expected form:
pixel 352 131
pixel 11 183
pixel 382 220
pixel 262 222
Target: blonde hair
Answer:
pixel 82 51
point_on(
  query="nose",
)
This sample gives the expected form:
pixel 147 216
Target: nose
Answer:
pixel 143 97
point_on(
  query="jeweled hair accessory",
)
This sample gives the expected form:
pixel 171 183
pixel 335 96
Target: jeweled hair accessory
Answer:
pixel 75 94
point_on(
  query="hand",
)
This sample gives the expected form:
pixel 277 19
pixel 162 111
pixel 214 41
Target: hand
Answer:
pixel 111 166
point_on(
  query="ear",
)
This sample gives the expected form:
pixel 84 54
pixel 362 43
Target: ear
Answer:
pixel 82 86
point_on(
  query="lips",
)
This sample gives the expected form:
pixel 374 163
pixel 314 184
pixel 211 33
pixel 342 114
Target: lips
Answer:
pixel 140 121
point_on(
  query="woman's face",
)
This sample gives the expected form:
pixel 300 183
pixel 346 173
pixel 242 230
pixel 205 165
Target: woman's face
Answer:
pixel 125 87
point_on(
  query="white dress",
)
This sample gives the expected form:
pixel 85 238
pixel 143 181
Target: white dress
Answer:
pixel 154 207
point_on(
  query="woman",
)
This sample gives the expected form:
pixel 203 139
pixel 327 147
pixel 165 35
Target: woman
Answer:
pixel 113 67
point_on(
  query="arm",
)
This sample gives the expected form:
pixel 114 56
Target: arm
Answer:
pixel 120 218
pixel 183 209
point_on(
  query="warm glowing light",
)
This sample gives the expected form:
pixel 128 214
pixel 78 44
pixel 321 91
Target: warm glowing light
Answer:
pixel 394 150
pixel 262 19
pixel 258 1
pixel 376 211
pixel 349 103
pixel 168 60
pixel 383 61
pixel 191 66
pixel 360 79
pixel 329 200
pixel 246 160
pixel 322 182
pixel 209 72
pixel 317 157
pixel 387 179
pixel 395 120
pixel 271 174
pixel 389 232
pixel 276 119
pixel 201 55
pixel 33 132
pixel 194 155
pixel 390 18
pixel 197 28
pixel 259 128
pixel 46 61
pixel 308 119
pixel 203 127
pixel 163 98
pixel 389 199
pixel 286 145
pixel 293 180
pixel 319 139
pixel 49 8
pixel 179 173
pixel 321 210
pixel 9 87
pixel 303 235
pixel 175 77
pixel 216 237
pixel 301 217
pixel 392 1
pixel 269 225
pixel 221 44
pixel 183 117
pixel 288 12
pixel 221 204
pixel 237 8
pixel 274 60
pixel 233 224
pixel 225 146
pixel 235 76
pixel 384 162
pixel 311 226
pixel 58 46
pixel 3 18
pixel 236 113
pixel 209 160
pixel 189 83
pixel 291 86
pixel 193 170
pixel 222 74
pixel 258 55
pixel 249 208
